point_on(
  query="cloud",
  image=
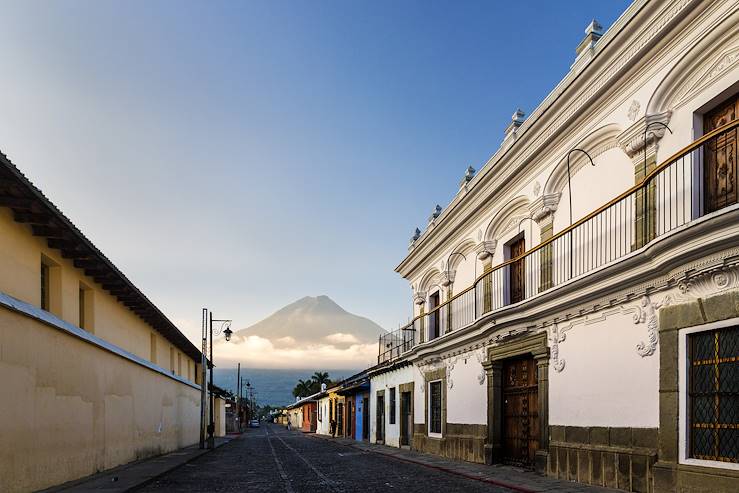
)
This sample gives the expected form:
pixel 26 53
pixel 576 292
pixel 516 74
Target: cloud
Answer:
pixel 341 338
pixel 258 352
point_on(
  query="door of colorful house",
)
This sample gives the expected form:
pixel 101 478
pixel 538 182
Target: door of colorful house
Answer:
pixel 340 419
pixel 349 418
pixel 365 418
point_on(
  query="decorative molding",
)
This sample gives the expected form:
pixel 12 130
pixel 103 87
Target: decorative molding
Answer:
pixel 634 110
pixel 720 65
pixel 632 140
pixel 419 297
pixel 647 312
pixel 543 208
pixel 447 277
pixel 537 189
pixel 485 248
pixel 555 337
pixel 710 281
pixel 480 356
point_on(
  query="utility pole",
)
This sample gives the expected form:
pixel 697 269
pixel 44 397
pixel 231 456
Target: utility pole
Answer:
pixel 238 394
pixel 203 379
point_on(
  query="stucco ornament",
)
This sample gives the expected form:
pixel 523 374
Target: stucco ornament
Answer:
pixel 480 356
pixel 709 282
pixel 419 297
pixel 634 110
pixel 646 311
pixel 447 277
pixel 555 337
pixel 537 189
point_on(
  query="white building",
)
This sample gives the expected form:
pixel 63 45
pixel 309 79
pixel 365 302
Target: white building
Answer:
pixel 566 292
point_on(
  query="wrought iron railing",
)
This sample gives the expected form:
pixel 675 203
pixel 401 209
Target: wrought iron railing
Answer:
pixel 699 179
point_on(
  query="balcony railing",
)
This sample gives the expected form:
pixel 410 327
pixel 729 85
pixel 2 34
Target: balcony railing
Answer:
pixel 698 180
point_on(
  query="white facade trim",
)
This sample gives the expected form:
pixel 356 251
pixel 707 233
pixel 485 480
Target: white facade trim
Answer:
pixel 683 394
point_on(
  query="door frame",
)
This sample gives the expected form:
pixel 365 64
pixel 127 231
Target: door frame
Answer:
pixel 530 344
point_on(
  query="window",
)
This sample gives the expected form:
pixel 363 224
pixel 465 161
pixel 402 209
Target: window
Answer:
pixel 713 394
pixel 179 364
pixel 85 305
pixel 82 307
pixel 435 407
pixel 171 359
pixel 392 406
pixel 153 348
pixel 45 302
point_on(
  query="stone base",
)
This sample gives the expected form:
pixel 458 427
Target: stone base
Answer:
pixel 460 442
pixel 619 458
pixel 669 477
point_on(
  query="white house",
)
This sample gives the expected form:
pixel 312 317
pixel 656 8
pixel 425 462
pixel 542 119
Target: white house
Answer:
pixel 577 302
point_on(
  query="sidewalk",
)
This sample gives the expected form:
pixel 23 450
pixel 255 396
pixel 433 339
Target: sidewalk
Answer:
pixel 515 478
pixel 136 474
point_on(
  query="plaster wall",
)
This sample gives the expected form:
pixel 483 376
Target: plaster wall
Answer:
pixel 603 374
pixel 467 397
pixel 20 271
pixel 323 426
pixel 72 409
pixel 386 381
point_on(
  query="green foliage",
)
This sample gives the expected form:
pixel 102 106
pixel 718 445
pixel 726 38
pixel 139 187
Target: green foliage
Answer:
pixel 312 385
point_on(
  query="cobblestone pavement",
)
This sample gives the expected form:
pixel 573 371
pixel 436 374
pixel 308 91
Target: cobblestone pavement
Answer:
pixel 272 459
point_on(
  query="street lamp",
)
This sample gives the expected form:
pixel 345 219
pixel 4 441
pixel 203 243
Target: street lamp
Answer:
pixel 224 326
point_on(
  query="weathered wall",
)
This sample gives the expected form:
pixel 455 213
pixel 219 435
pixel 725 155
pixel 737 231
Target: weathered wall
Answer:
pixel 70 409
pixel 385 381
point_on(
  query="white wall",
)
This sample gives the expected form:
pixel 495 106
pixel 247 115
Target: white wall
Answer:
pixel 385 381
pixel 323 427
pixel 605 382
pixel 467 398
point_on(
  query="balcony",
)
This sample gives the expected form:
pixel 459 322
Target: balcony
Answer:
pixel 698 180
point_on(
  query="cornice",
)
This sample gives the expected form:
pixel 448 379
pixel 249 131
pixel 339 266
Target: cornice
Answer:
pixel 575 92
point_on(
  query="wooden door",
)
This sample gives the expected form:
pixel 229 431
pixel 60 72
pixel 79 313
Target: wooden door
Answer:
pixel 720 157
pixel 349 418
pixel 517 271
pixel 520 411
pixel 365 419
pixel 406 423
pixel 433 316
pixel 340 419
pixel 380 433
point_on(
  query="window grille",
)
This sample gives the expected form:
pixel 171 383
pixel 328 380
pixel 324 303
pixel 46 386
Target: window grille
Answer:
pixel 435 407
pixel 713 395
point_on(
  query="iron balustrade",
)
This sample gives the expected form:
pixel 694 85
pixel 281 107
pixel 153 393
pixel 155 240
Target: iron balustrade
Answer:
pixel 672 195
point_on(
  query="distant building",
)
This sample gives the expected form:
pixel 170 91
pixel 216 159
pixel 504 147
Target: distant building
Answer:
pixel 576 305
pixel 94 374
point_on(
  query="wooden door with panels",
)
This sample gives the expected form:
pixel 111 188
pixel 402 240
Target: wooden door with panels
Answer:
pixel 720 159
pixel 520 411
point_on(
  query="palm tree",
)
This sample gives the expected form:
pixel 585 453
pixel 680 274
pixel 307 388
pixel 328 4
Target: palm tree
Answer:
pixel 303 388
pixel 321 377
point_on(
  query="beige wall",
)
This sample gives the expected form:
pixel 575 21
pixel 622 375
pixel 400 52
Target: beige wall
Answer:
pixel 69 408
pixel 20 271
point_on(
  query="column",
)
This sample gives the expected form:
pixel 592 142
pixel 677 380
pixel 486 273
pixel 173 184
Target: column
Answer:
pixel 542 212
pixel 542 455
pixel 493 445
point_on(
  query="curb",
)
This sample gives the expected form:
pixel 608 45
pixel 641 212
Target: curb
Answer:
pixel 431 466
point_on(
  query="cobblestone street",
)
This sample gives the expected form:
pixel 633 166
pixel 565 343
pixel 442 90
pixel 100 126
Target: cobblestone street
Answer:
pixel 272 459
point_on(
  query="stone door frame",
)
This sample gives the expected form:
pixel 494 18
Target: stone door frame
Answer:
pixel 528 345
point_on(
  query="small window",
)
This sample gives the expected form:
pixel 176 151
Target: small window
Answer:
pixel 171 359
pixel 85 308
pixel 153 348
pixel 392 406
pixel 435 407
pixel 179 364
pixel 713 395
pixel 45 302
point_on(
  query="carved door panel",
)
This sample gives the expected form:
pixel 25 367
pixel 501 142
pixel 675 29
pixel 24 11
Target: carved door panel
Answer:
pixel 520 411
pixel 721 157
pixel 518 271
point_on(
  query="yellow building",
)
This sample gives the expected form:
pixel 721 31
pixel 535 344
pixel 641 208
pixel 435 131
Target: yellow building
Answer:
pixel 94 375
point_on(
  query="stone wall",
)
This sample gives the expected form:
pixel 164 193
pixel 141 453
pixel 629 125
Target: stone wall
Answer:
pixel 459 442
pixel 613 457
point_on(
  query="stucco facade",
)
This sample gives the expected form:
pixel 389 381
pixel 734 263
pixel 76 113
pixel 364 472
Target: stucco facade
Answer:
pixel 95 376
pixel 537 297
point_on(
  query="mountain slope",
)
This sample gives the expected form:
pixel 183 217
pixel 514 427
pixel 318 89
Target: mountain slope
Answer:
pixel 314 320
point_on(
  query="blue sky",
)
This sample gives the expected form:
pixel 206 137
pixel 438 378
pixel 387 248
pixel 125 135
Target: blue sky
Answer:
pixel 241 155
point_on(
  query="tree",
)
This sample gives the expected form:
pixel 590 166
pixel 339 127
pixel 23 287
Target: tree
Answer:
pixel 303 388
pixel 321 377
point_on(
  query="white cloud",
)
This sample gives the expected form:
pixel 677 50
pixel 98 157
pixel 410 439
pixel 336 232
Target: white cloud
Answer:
pixel 257 352
pixel 341 338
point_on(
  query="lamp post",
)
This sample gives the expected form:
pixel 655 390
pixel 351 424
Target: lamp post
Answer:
pixel 225 328
pixel 569 188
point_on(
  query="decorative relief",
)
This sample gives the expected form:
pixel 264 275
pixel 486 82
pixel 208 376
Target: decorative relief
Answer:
pixel 634 110
pixel 632 140
pixel 721 65
pixel 709 282
pixel 480 356
pixel 555 337
pixel 537 189
pixel 647 312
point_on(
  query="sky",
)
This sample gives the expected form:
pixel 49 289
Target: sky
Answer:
pixel 242 155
